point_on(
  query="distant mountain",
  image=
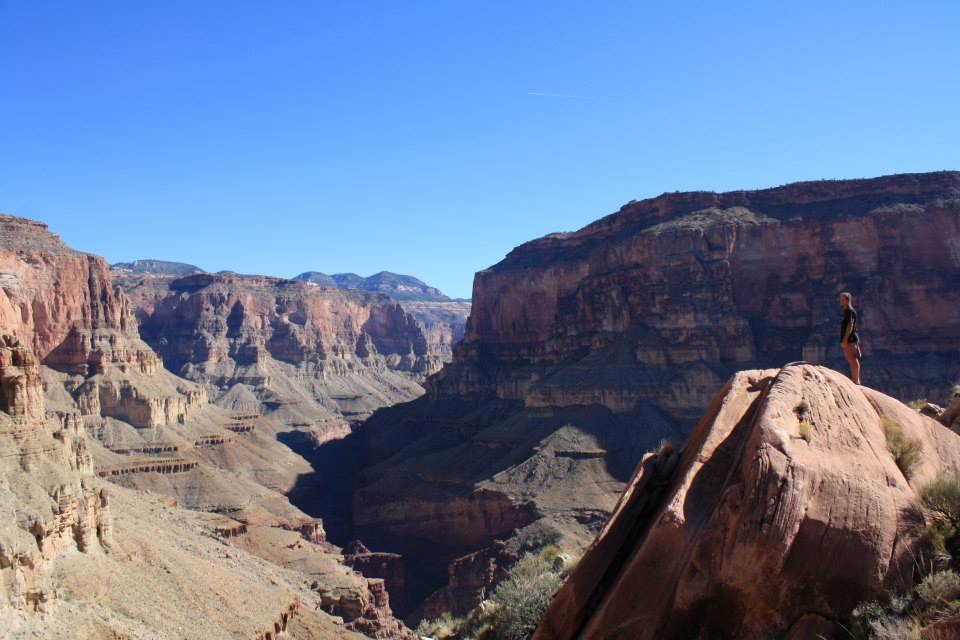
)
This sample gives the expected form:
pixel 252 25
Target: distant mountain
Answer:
pixel 159 267
pixel 397 286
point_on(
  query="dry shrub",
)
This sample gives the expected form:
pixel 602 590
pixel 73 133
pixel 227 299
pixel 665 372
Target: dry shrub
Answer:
pixel 906 451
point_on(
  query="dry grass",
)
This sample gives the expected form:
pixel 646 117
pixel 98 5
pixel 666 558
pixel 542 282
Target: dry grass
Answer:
pixel 906 451
pixel 806 430
pixel 665 448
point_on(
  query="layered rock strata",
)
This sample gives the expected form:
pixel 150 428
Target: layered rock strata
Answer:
pixel 82 395
pixel 757 528
pixel 315 356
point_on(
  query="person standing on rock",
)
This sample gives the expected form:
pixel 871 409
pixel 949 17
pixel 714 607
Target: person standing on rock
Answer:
pixel 849 339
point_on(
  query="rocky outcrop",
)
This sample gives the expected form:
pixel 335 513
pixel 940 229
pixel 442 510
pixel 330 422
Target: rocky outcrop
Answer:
pixel 471 579
pixel 52 505
pixel 583 350
pixel 21 387
pixel 760 527
pixel 61 303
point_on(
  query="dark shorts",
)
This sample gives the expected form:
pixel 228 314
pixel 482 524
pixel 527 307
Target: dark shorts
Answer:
pixel 851 350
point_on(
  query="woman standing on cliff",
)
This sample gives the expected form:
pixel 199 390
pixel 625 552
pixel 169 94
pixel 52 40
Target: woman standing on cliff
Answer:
pixel 849 339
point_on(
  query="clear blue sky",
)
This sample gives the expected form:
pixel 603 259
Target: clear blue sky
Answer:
pixel 432 137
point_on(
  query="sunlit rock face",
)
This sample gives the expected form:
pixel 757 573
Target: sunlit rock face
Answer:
pixel 584 349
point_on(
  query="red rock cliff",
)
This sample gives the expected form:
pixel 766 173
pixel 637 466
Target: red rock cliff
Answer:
pixel 584 349
pixel 696 285
pixel 62 304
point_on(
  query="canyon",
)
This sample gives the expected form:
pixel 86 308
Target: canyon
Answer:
pixel 585 350
pixel 128 488
pixel 350 451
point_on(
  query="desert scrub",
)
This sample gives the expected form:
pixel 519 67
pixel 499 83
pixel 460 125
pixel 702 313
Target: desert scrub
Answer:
pixel 520 601
pixel 904 449
pixel 939 588
pixel 885 621
pixel 445 627
pixel 917 404
pixel 801 409
pixel 942 496
pixel 806 430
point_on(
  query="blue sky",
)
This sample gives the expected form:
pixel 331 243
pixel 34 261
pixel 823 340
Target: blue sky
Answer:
pixel 432 137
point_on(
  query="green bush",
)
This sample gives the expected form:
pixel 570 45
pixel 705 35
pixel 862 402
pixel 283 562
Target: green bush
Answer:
pixel 906 451
pixel 917 404
pixel 940 587
pixel 943 496
pixel 801 409
pixel 806 430
pixel 520 601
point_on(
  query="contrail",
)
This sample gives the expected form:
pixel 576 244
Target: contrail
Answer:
pixel 544 94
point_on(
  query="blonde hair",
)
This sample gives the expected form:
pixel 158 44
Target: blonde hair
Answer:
pixel 848 296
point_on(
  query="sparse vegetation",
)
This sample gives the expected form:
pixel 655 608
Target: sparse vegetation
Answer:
pixel 942 496
pixel 917 404
pixel 939 588
pixel 443 628
pixel 937 595
pixel 517 604
pixel 521 600
pixel 801 409
pixel 806 430
pixel 906 451
pixel 665 448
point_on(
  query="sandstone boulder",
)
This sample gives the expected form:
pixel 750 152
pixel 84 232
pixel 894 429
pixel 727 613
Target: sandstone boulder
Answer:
pixel 759 527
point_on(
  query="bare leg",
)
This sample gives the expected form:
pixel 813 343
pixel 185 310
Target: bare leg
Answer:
pixel 853 361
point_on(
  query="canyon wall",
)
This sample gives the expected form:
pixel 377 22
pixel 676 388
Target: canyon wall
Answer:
pixel 584 349
pixel 310 354
pixel 443 319
pixel 102 448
